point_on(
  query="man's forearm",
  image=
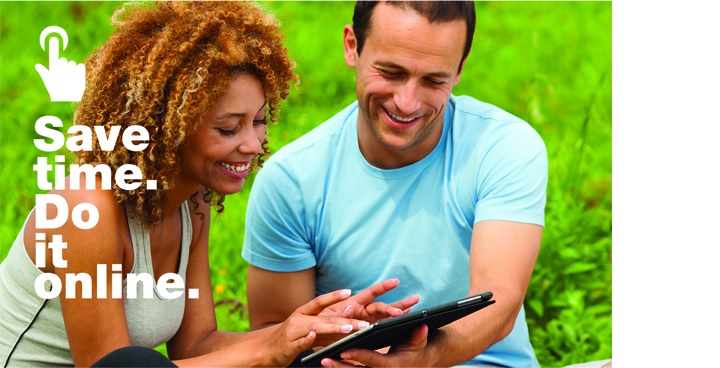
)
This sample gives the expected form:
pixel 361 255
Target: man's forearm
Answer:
pixel 464 339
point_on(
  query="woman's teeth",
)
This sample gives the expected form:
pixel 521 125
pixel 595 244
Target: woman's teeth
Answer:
pixel 239 168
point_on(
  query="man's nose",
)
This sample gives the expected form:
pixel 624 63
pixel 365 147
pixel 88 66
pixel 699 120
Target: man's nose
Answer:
pixel 406 97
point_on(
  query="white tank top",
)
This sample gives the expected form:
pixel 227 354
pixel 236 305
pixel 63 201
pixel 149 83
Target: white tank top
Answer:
pixel 32 331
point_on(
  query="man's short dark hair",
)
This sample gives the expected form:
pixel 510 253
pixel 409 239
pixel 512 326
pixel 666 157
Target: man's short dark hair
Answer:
pixel 434 11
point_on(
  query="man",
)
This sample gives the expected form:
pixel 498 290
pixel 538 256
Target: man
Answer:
pixel 444 193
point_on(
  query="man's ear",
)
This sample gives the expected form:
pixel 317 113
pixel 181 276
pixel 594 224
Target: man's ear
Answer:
pixel 350 46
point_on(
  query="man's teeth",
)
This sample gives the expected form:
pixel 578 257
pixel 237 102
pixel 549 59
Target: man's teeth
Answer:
pixel 234 168
pixel 404 120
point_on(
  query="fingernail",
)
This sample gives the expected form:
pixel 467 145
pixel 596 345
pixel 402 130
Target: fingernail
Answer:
pixel 347 309
pixel 345 292
pixel 363 324
pixel 346 328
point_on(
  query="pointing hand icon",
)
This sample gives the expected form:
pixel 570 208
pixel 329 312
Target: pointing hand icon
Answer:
pixel 64 79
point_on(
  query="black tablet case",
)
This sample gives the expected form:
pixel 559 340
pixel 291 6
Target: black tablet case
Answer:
pixel 396 330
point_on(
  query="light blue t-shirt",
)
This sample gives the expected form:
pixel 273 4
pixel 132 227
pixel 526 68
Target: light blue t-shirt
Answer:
pixel 318 203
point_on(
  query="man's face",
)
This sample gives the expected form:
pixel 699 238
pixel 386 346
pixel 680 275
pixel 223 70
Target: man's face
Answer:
pixel 404 77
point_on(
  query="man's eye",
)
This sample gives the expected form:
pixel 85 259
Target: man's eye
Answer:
pixel 388 73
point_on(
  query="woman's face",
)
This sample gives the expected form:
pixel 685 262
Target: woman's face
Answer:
pixel 218 153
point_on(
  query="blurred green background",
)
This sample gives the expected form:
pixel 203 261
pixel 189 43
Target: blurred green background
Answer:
pixel 547 62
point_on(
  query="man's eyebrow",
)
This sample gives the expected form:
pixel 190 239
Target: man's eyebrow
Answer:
pixel 391 65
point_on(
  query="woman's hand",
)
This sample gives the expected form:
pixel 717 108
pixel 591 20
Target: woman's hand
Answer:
pixel 362 307
pixel 300 330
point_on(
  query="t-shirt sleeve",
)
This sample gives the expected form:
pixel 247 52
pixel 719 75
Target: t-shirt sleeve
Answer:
pixel 276 235
pixel 513 177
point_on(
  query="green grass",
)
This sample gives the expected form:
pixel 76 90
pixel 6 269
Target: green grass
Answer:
pixel 547 62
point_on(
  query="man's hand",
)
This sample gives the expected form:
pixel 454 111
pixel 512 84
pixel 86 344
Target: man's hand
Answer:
pixel 409 354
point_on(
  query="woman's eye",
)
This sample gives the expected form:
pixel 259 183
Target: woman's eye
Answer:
pixel 262 121
pixel 227 132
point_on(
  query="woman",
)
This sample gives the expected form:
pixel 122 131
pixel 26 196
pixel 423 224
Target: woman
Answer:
pixel 203 79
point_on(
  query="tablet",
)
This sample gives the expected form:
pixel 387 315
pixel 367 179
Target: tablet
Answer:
pixel 396 330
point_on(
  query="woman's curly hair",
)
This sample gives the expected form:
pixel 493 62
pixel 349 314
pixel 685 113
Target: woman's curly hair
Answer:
pixel 162 68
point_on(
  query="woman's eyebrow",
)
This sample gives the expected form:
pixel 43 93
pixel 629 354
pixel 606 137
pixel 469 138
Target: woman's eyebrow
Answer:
pixel 262 107
pixel 231 115
pixel 239 114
